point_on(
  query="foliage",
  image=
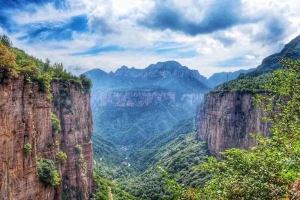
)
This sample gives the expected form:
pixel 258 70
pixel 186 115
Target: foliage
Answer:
pixel 177 157
pixel 271 169
pixel 8 60
pixel 27 149
pixel 61 157
pixel 17 61
pixel 86 82
pixel 102 191
pixel 78 149
pixel 244 83
pixel 4 39
pixel 47 172
pixel 56 127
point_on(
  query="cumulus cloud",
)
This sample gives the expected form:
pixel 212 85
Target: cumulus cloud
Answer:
pixel 207 35
pixel 216 15
pixel 272 30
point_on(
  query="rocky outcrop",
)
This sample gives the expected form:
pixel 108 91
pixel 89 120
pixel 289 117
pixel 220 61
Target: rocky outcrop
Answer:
pixel 226 119
pixel 145 99
pixel 133 99
pixel 192 99
pixel 25 118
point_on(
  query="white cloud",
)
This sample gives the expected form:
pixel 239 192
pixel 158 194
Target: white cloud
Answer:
pixel 113 23
pixel 45 13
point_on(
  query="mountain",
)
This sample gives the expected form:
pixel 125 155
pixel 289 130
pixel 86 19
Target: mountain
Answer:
pixel 227 116
pixel 270 63
pixel 222 77
pixel 169 75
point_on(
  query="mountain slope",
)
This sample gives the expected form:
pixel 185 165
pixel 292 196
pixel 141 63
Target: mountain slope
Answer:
pixel 131 106
pixel 228 115
pixel 222 77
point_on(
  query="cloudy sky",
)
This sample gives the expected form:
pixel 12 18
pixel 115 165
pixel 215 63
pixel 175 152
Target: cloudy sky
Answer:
pixel 207 35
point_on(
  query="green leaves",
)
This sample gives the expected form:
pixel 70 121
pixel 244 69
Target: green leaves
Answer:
pixel 47 172
pixel 56 128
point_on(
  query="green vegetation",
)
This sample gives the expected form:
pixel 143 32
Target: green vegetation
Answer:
pixel 78 149
pixel 271 169
pixel 56 128
pixel 103 186
pixel 15 62
pixel 4 39
pixel 178 157
pixel 47 172
pixel 61 157
pixel 27 149
pixel 244 83
pixel 127 126
pixel 176 166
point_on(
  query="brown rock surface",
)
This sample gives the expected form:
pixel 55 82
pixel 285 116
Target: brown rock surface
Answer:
pixel 25 118
pixel 226 119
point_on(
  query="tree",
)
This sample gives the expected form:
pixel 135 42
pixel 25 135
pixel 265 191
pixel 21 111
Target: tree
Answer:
pixel 4 39
pixel 7 58
pixel 47 172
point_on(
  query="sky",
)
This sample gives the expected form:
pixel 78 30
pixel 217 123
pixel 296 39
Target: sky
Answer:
pixel 208 35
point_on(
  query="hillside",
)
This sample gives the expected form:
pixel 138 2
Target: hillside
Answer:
pixel 252 80
pixel 131 106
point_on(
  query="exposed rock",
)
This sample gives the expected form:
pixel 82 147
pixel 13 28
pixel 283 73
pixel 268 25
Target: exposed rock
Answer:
pixel 25 118
pixel 226 119
pixel 134 99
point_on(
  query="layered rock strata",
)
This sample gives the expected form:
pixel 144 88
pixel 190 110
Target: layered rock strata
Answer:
pixel 226 119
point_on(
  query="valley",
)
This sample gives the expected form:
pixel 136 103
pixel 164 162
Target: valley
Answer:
pixel 144 131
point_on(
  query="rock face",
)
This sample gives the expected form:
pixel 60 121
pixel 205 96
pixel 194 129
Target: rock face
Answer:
pixel 25 118
pixel 144 99
pixel 226 119
pixel 134 99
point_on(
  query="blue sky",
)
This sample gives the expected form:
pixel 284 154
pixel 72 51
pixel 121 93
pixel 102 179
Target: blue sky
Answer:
pixel 207 35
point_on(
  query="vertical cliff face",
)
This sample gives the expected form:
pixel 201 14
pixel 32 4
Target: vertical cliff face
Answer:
pixel 226 119
pixel 25 119
pixel 133 99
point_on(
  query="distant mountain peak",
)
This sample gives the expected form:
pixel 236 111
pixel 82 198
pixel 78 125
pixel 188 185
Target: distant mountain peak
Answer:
pixel 270 63
pixel 167 65
pixel 293 44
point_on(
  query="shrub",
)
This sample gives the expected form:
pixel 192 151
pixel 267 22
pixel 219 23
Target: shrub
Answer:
pixel 47 172
pixel 55 124
pixel 8 60
pixel 4 39
pixel 27 149
pixel 61 157
pixel 78 149
pixel 86 82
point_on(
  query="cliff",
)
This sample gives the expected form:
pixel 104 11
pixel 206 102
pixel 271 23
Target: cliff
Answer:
pixel 140 98
pixel 27 136
pixel 226 119
pixel 227 116
pixel 133 99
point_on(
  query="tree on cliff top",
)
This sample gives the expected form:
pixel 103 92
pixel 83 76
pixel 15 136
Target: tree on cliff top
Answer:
pixel 4 39
pixel 7 58
pixel 271 170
